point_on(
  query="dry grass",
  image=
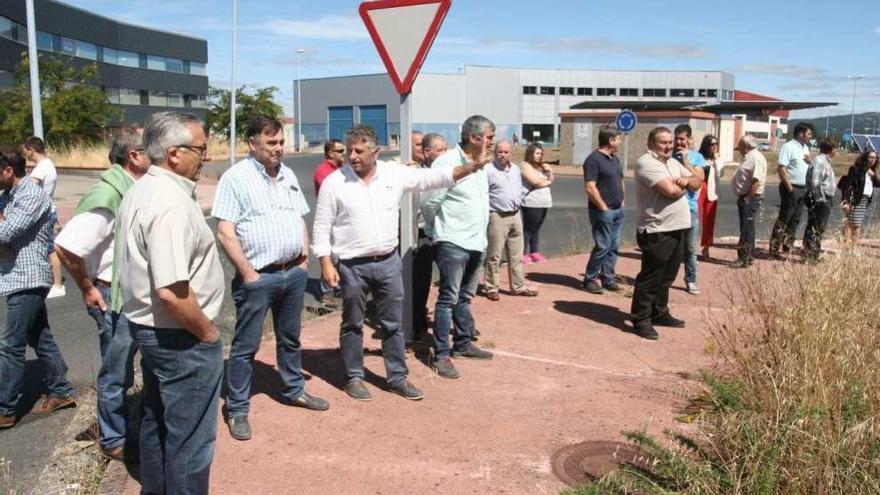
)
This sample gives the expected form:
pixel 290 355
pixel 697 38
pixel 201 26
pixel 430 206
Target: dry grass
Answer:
pixel 94 157
pixel 797 410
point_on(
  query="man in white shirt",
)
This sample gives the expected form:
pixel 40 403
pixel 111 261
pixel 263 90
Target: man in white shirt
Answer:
pixel 85 247
pixel 172 287
pixel 356 220
pixel 45 176
pixel 793 162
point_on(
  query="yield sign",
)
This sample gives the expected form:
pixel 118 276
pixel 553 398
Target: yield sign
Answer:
pixel 403 32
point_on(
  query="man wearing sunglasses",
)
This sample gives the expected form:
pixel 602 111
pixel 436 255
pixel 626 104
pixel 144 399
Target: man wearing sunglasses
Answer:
pixel 334 157
pixel 172 285
pixel 85 247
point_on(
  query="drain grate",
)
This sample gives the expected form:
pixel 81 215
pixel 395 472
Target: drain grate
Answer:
pixel 576 464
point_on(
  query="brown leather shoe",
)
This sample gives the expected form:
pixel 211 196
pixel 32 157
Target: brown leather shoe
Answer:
pixel 48 404
pixel 7 422
pixel 492 296
pixel 114 454
pixel 526 293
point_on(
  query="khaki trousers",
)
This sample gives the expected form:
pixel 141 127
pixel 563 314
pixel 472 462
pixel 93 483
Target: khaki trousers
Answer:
pixel 505 235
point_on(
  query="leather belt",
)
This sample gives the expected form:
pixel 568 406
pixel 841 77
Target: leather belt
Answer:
pixel 367 259
pixel 283 267
pixel 506 213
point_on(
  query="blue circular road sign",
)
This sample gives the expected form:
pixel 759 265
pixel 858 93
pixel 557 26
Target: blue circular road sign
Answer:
pixel 847 137
pixel 626 121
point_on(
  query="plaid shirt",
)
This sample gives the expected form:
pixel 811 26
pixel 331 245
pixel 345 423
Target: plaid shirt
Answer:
pixel 24 238
pixel 267 215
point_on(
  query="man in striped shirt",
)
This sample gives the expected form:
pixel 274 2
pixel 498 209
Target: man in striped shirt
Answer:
pixel 25 278
pixel 260 205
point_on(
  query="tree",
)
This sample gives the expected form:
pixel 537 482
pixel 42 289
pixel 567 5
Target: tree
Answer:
pixel 247 106
pixel 75 108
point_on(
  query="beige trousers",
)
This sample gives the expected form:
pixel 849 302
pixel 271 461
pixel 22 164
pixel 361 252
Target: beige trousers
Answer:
pixel 505 236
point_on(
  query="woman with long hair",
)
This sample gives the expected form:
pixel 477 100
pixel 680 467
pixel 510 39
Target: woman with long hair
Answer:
pixel 537 177
pixel 708 198
pixel 857 190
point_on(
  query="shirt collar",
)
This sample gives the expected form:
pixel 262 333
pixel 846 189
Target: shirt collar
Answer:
pixel 502 167
pixel 188 186
pixel 262 169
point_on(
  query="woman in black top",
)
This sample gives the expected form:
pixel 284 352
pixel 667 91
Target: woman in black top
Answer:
pixel 857 189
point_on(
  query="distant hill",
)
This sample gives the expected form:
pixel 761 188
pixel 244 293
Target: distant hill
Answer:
pixel 866 123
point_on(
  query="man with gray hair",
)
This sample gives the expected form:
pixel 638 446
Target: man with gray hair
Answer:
pixel 459 217
pixel 357 219
pixel 172 287
pixel 748 185
pixel 85 247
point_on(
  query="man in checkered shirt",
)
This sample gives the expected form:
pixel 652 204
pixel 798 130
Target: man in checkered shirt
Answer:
pixel 25 278
pixel 260 205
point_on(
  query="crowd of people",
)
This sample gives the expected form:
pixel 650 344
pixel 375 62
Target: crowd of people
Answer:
pixel 148 265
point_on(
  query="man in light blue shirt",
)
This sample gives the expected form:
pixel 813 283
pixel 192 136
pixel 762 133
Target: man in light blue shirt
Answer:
pixel 459 217
pixel 793 161
pixel 260 207
pixel 694 162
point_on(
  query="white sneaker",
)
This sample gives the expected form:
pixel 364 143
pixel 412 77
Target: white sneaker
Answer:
pixel 56 292
pixel 692 288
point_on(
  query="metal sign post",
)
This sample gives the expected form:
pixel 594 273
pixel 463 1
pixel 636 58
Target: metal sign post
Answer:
pixel 34 67
pixel 403 32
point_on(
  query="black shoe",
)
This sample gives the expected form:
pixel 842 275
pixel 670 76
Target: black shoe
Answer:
pixel 592 287
pixel 239 427
pixel 311 402
pixel 472 352
pixel 645 331
pixel 356 390
pixel 740 263
pixel 476 332
pixel 613 286
pixel 407 391
pixel 445 368
pixel 667 320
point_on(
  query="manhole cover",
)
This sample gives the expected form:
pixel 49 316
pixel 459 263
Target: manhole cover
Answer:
pixel 586 461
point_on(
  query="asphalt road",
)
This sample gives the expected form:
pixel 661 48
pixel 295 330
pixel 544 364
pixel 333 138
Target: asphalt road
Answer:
pixel 29 445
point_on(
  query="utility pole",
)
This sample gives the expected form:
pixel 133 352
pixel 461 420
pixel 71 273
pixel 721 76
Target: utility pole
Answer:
pixel 34 66
pixel 852 122
pixel 299 52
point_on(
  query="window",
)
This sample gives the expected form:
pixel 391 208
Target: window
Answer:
pixel 629 91
pixel 155 63
pixel 109 56
pixel 195 101
pixel 175 100
pixel 68 46
pixel 86 50
pixel 44 41
pixel 585 91
pixel 157 99
pixel 112 95
pixel 127 59
pixel 654 92
pixel 129 96
pixel 566 91
pixel 687 93
pixel 197 68
pixel 530 90
pixel 548 90
pixel 713 93
pixel 7 28
pixel 174 65
pixel 606 92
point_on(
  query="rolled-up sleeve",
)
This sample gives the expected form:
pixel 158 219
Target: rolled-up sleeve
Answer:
pixel 170 245
pixel 325 216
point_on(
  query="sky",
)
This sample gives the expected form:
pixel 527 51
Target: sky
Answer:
pixel 803 53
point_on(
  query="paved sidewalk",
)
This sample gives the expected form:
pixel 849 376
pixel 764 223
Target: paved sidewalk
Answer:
pixel 564 372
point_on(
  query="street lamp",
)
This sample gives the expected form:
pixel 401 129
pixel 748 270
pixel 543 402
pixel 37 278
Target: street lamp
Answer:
pixel 852 122
pixel 299 52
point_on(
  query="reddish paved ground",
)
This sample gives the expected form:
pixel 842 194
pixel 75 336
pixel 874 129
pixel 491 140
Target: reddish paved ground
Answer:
pixel 564 372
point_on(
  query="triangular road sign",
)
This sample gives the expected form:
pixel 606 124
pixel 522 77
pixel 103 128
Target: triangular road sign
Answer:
pixel 403 32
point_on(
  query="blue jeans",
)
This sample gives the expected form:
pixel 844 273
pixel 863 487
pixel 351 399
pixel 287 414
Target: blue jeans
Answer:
pixel 607 227
pixel 116 375
pixel 690 249
pixel 282 292
pixel 182 379
pixel 384 279
pixel 27 324
pixel 459 275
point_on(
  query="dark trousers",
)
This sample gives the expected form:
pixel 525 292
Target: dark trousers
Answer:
pixel 281 292
pixel 533 218
pixel 182 379
pixel 459 275
pixel 817 219
pixel 748 210
pixel 791 206
pixel 27 324
pixel 423 267
pixel 383 278
pixel 661 256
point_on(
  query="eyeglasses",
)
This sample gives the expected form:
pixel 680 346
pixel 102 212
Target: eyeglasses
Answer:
pixel 202 150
